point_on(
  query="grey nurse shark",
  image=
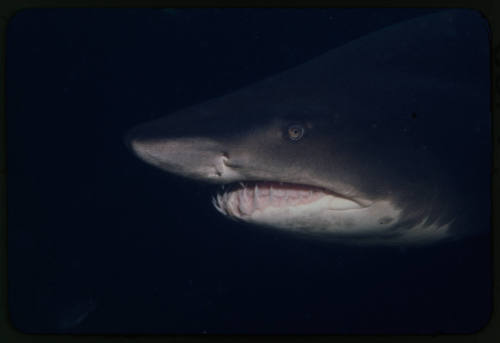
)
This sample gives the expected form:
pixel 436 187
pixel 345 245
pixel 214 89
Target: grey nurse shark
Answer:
pixel 383 140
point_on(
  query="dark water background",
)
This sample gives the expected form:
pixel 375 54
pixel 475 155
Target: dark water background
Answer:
pixel 101 242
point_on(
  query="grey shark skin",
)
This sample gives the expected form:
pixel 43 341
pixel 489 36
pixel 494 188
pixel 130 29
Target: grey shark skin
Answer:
pixel 371 142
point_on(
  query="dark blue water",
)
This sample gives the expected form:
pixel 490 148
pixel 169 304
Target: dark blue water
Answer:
pixel 101 242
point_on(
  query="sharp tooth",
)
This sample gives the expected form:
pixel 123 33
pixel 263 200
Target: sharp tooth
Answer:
pixel 223 187
pixel 271 193
pixel 242 184
pixel 255 196
pixel 241 198
pixel 233 205
pixel 245 194
pixel 227 204
pixel 222 203
pixel 230 203
pixel 241 204
pixel 217 206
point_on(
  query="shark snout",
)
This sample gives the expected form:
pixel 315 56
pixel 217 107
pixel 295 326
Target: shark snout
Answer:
pixel 196 158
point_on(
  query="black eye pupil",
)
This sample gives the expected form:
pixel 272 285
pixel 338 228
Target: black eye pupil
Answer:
pixel 295 132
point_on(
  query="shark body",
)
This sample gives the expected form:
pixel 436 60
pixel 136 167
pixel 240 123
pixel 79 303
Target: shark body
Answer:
pixel 383 140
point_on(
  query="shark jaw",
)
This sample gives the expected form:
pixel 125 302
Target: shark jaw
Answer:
pixel 246 199
pixel 316 211
pixel 300 208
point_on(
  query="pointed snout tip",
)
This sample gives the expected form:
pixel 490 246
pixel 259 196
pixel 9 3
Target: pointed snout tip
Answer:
pixel 137 142
pixel 127 139
pixel 131 140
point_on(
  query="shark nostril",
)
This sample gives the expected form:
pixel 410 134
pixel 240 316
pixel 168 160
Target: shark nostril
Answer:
pixel 220 165
pixel 224 159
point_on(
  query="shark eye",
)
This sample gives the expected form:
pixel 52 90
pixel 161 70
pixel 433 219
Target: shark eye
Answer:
pixel 295 132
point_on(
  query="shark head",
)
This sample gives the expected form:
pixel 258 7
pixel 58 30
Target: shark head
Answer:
pixel 343 146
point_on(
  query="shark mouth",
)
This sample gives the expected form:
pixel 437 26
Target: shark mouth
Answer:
pixel 242 200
